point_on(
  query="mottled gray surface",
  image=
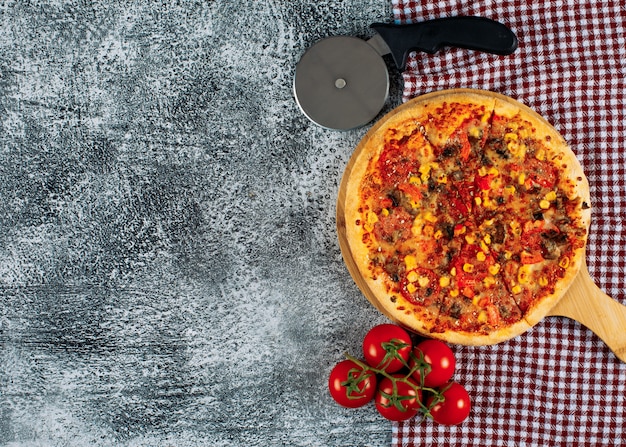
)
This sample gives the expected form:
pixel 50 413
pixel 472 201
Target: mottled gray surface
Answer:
pixel 170 274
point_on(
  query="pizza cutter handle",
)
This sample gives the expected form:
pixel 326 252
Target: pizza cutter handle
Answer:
pixel 469 32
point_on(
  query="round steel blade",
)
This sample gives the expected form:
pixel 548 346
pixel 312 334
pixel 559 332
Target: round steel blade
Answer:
pixel 341 83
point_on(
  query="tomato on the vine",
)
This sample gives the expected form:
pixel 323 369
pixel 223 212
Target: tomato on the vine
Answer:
pixel 440 358
pixel 395 374
pixel 387 347
pixel 400 404
pixel 350 385
pixel 455 407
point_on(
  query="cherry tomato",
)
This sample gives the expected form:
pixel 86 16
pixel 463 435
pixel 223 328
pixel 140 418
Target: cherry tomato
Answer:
pixel 440 358
pixel 400 404
pixel 387 347
pixel 350 385
pixel 454 409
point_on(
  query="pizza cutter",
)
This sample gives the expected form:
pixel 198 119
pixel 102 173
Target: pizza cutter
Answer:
pixel 342 82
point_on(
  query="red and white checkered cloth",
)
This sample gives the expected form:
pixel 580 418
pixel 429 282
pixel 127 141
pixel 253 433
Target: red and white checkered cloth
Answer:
pixel 558 384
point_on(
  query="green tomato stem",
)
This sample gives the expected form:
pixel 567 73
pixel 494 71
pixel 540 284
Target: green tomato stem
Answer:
pixel 395 399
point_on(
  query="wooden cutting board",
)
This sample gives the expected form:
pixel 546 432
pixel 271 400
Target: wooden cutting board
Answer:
pixel 591 307
pixel 583 302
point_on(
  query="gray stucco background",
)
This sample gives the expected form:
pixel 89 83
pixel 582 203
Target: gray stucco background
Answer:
pixel 169 268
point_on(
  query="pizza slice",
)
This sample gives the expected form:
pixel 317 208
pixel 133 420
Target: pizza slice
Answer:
pixel 458 125
pixel 548 195
pixel 394 175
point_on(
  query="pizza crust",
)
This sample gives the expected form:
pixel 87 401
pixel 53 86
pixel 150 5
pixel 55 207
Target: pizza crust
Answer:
pixel 419 112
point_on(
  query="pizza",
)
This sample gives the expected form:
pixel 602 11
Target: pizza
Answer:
pixel 464 216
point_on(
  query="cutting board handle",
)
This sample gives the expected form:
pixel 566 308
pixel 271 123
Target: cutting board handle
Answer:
pixel 587 304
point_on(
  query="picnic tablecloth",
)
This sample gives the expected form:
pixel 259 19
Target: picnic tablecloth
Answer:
pixel 558 384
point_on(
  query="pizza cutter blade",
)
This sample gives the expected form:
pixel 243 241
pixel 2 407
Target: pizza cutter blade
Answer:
pixel 342 82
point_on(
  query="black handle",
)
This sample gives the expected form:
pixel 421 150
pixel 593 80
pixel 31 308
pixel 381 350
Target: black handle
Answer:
pixel 472 33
